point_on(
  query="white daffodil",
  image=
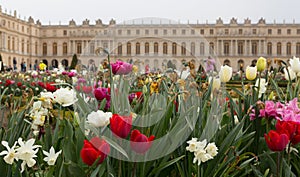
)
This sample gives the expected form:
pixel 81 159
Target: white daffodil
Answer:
pixel 34 73
pixel 290 74
pixel 251 72
pixel 51 156
pixel 262 86
pixel 65 96
pixel 295 64
pixel 99 118
pixel 26 152
pixel 10 153
pixel 192 145
pixel 201 156
pixel 183 74
pixel 36 106
pixel 212 149
pixel 225 73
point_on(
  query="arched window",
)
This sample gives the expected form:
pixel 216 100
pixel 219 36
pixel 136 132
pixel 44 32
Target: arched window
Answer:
pixel 211 48
pixel 298 49
pixel 79 47
pixel 120 49
pixel 254 47
pixel 128 48
pixel 174 48
pixel 288 48
pixel 36 47
pixel 44 48
pixel 13 44
pixel 193 48
pixel 279 48
pixel 226 62
pixel 54 48
pixel 28 47
pixel 269 48
pixel 183 48
pixel 165 48
pixel 8 43
pixel 147 48
pixel 240 48
pixel 226 48
pixel 23 46
pixel 202 49
pixel 155 48
pixel 138 48
pixel 65 48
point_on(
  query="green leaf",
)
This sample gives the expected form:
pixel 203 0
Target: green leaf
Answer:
pixel 115 146
pixel 165 165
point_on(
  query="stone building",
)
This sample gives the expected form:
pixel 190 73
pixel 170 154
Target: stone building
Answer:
pixel 153 42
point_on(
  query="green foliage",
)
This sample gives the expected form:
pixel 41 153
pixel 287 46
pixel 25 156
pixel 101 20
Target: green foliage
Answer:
pixel 74 62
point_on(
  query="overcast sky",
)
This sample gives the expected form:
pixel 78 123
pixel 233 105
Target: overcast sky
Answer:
pixel 122 10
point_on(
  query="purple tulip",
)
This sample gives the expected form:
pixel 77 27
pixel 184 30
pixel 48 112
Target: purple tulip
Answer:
pixel 121 68
pixel 64 73
pixel 102 93
pixel 72 74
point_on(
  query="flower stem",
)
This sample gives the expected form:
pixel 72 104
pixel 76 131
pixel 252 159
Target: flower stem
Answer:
pixel 278 164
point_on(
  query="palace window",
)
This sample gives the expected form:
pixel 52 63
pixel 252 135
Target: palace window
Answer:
pixel 193 48
pixel 22 46
pixel 128 48
pixel 240 31
pixel 183 32
pixel 54 48
pixel 254 48
pixel 174 48
pixel 183 48
pixel 288 48
pixel 254 31
pixel 79 47
pixel 36 48
pixel 226 48
pixel 137 32
pixel 211 48
pixel 28 47
pixel 156 31
pixel 146 32
pixel 269 48
pixel 44 48
pixel 211 31
pixel 174 32
pixel 269 31
pixel 13 44
pixel 279 48
pixel 147 48
pixel 120 49
pixel 8 43
pixel 65 32
pixel 165 48
pixel 137 48
pixel 119 32
pixel 298 49
pixel 226 31
pixel 202 31
pixel 278 31
pixel 298 31
pixel 192 31
pixel 65 48
pixel 165 32
pixel 289 31
pixel 155 48
pixel 240 48
pixel 128 32
pixel 202 49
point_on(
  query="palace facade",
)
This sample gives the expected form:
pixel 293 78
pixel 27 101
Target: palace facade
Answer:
pixel 153 42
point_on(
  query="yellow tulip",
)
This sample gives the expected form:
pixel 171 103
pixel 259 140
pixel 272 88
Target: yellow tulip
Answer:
pixel 261 64
pixel 225 73
pixel 251 72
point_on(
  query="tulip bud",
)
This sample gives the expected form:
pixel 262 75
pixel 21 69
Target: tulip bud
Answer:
pixel 145 89
pixel 216 83
pixel 261 64
pixel 295 64
pixel 251 72
pixel 225 73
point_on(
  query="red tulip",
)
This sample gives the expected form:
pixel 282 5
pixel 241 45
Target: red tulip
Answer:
pixel 49 87
pixel 120 125
pixel 19 84
pixel 102 93
pixel 276 141
pixel 291 129
pixel 139 142
pixel 94 149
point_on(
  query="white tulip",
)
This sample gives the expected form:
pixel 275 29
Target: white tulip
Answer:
pixel 65 96
pixel 295 64
pixel 251 72
pixel 289 72
pixel 216 83
pixel 99 118
pixel 225 73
